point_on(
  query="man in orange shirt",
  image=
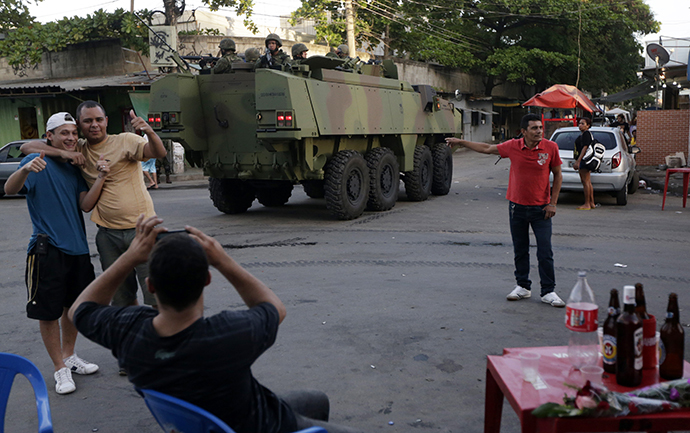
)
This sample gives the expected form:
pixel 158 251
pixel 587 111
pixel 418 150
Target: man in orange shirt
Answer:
pixel 531 202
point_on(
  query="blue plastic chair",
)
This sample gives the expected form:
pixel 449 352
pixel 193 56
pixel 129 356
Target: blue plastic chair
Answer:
pixel 10 366
pixel 178 416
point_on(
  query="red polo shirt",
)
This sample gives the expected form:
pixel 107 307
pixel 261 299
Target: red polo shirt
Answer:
pixel 528 183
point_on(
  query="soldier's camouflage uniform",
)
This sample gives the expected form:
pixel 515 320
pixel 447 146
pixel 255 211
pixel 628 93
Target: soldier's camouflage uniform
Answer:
pixel 279 59
pixel 223 65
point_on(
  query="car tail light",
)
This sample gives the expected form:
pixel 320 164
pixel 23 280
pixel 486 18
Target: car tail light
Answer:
pixel 288 118
pixel 280 116
pixel 616 160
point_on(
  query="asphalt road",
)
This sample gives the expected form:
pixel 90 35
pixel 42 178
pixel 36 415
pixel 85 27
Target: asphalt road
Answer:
pixel 391 314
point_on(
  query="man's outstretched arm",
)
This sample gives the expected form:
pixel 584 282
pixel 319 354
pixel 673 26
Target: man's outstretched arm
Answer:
pixel 489 149
pixel 102 289
pixel 250 288
pixel 37 146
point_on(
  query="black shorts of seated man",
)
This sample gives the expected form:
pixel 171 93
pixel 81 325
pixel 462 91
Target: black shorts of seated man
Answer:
pixel 176 350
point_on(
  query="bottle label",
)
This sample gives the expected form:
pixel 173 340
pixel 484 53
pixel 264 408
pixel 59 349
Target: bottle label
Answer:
pixel 638 348
pixel 609 349
pixel 669 314
pixel 613 311
pixel 580 320
pixel 662 352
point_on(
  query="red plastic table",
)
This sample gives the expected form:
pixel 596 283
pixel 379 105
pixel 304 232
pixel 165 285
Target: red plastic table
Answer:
pixel 686 177
pixel 504 379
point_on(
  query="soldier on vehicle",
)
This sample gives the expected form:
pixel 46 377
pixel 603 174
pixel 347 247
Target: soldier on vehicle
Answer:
pixel 343 52
pixel 274 55
pixel 299 53
pixel 251 55
pixel 227 49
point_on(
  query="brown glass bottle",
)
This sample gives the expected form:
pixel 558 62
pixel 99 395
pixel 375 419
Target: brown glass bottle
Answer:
pixel 672 342
pixel 640 302
pixel 609 338
pixel 629 342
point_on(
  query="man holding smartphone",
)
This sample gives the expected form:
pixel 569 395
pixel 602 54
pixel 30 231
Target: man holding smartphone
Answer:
pixel 58 264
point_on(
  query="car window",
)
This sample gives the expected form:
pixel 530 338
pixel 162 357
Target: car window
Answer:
pixel 566 140
pixel 12 153
pixel 605 138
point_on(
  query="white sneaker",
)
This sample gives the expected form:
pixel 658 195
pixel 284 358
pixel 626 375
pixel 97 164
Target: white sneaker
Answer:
pixel 63 381
pixel 553 299
pixel 519 293
pixel 79 366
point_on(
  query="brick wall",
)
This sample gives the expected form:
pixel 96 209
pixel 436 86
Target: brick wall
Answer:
pixel 661 133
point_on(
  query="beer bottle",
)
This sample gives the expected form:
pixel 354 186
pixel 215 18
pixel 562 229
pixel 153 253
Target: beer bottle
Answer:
pixel 672 342
pixel 629 342
pixel 609 340
pixel 640 303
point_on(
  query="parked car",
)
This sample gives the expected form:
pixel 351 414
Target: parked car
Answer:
pixel 10 157
pixel 617 173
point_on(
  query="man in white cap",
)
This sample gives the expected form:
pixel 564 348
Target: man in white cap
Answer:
pixel 58 264
pixel 124 195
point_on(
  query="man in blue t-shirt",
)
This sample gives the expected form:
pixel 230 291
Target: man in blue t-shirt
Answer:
pixel 58 265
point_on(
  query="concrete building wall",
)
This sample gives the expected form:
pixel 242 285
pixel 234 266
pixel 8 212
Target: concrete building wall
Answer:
pixel 662 133
pixel 89 59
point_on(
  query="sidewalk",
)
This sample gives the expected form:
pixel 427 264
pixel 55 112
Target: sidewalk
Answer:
pixel 192 177
pixel 655 179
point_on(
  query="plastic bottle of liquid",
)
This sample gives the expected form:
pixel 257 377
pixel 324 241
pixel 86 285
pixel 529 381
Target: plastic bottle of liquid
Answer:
pixel 581 320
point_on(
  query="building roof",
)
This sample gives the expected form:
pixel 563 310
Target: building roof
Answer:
pixel 39 87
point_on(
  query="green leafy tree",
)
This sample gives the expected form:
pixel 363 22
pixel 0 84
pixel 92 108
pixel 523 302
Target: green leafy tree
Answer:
pixel 14 14
pixel 532 42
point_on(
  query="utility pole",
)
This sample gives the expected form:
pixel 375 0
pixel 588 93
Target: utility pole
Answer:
pixel 350 27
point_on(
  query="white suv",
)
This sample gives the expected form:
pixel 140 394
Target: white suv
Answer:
pixel 617 173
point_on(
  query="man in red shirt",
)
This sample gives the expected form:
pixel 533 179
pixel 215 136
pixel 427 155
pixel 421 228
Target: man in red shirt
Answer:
pixel 532 203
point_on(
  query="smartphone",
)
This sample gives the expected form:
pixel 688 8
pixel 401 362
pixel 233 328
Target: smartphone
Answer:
pixel 161 235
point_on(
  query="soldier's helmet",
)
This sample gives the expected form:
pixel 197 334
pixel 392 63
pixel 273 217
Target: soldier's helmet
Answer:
pixel 227 44
pixel 344 49
pixel 251 54
pixel 298 49
pixel 274 37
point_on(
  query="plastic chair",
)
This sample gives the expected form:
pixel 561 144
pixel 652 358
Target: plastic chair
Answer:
pixel 10 366
pixel 178 416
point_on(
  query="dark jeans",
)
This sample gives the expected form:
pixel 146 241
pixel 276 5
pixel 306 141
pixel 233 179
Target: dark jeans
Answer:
pixel 311 409
pixel 521 217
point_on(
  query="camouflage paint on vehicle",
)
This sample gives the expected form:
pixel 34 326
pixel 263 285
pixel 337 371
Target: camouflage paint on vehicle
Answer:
pixel 268 129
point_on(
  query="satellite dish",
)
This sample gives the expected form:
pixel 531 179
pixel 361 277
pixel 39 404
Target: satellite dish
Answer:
pixel 657 51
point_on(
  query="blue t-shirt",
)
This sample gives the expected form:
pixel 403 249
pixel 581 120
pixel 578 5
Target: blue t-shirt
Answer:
pixel 53 200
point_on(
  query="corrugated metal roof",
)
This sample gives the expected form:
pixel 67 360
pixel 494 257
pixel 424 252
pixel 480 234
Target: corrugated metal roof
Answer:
pixel 65 85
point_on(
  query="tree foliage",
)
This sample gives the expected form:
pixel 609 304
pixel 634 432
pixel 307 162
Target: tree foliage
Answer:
pixel 532 42
pixel 14 14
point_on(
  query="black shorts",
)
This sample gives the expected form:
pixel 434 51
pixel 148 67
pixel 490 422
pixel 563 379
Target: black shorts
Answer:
pixel 54 281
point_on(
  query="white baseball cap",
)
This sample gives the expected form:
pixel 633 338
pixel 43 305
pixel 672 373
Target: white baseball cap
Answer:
pixel 59 119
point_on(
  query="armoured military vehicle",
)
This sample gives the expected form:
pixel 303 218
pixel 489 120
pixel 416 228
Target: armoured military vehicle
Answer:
pixel 346 132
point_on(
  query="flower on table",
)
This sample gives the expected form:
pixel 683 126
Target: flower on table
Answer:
pixel 591 400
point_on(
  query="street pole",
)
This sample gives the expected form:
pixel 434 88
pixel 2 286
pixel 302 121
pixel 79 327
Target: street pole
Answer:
pixel 350 27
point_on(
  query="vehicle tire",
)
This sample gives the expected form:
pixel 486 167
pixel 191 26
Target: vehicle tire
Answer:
pixel 443 169
pixel 622 196
pixel 418 181
pixel 384 178
pixel 272 196
pixel 231 196
pixel 634 183
pixel 314 188
pixel 346 184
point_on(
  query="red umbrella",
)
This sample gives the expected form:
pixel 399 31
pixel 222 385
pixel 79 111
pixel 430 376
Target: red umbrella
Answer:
pixel 562 96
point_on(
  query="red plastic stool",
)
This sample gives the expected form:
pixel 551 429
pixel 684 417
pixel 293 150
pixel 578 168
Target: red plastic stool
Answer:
pixel 686 177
